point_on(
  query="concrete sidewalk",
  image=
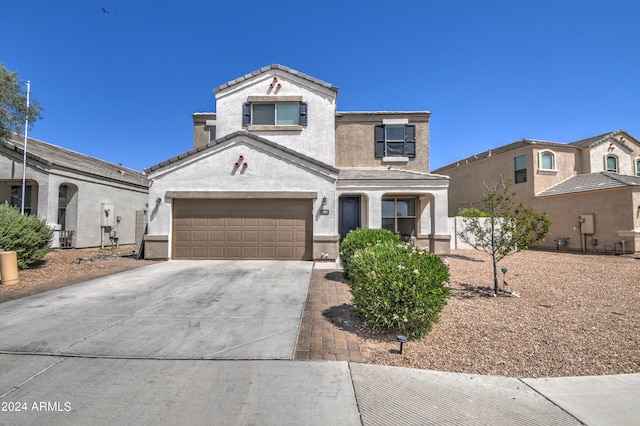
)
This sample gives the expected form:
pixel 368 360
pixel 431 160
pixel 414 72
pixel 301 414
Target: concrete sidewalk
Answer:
pixel 36 389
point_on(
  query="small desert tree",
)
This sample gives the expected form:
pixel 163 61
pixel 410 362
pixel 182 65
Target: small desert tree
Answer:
pixel 13 104
pixel 507 229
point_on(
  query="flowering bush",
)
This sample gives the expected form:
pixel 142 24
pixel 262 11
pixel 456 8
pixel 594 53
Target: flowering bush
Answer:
pixel 398 288
pixel 361 239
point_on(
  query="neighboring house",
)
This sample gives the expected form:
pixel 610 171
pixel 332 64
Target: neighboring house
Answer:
pixel 589 188
pixel 277 173
pixel 73 192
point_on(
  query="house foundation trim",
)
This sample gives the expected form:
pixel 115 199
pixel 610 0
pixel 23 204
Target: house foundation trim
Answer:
pixel 326 247
pixel 156 247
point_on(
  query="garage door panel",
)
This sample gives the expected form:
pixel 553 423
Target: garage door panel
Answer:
pixel 242 229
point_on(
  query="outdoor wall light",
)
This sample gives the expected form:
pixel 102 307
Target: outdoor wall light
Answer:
pixel 158 201
pixel 245 165
pixel 236 165
pixel 323 207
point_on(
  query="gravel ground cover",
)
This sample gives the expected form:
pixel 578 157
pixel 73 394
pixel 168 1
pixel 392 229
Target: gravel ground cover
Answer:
pixel 60 268
pixel 577 314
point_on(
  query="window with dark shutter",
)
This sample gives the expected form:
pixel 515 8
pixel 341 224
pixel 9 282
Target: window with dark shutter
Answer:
pixel 395 140
pixel 275 114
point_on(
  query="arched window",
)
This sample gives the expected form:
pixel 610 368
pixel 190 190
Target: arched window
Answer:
pixel 611 163
pixel 547 161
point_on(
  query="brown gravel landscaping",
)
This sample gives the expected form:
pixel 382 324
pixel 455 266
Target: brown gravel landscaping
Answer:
pixel 577 314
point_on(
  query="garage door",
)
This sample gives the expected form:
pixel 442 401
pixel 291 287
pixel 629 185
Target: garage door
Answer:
pixel 242 229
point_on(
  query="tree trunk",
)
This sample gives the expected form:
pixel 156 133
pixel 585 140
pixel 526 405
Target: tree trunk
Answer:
pixel 495 274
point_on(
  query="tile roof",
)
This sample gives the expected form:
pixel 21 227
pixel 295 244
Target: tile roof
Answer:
pixel 594 140
pixel 55 156
pixel 388 174
pixel 275 67
pixel 232 136
pixel 591 182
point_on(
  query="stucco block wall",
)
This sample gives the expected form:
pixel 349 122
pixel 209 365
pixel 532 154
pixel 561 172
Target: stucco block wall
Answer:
pixel 355 142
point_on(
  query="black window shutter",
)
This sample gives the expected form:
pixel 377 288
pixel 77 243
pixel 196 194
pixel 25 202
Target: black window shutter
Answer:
pixel 246 114
pixel 410 140
pixel 303 114
pixel 379 140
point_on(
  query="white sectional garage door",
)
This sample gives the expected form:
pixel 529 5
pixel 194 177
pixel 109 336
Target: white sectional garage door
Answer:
pixel 273 229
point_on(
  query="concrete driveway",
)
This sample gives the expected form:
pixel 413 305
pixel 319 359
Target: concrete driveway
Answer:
pixel 169 310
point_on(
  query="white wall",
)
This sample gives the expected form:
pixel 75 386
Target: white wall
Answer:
pixel 269 170
pixel 316 140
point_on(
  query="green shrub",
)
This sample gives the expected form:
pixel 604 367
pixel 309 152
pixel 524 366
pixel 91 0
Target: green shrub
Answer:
pixel 399 288
pixel 361 239
pixel 472 212
pixel 28 235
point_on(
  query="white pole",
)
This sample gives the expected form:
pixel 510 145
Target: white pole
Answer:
pixel 24 153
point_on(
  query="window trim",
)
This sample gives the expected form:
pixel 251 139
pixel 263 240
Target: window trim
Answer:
pixel 606 163
pixel 553 167
pixel 380 142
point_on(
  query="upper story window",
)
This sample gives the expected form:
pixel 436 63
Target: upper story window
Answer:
pixel 611 163
pixel 547 161
pixel 520 168
pixel 638 167
pixel 212 133
pixel 395 140
pixel 274 114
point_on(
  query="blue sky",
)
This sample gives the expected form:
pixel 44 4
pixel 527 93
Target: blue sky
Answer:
pixel 122 86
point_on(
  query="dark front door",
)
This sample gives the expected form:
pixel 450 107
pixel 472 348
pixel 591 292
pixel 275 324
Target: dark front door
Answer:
pixel 348 214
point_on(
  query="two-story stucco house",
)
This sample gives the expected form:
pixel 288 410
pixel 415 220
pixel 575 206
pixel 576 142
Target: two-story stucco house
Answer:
pixel 590 188
pixel 86 201
pixel 277 173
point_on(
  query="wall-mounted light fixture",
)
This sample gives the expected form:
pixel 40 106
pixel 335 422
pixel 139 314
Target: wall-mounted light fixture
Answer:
pixel 245 165
pixel 323 207
pixel 158 201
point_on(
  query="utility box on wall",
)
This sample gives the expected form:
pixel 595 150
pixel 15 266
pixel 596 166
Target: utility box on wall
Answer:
pixel 108 215
pixel 588 224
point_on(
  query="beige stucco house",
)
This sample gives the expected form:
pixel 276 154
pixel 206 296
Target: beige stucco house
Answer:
pixel 590 188
pixel 86 201
pixel 277 173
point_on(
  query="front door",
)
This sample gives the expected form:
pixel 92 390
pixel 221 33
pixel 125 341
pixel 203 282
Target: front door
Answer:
pixel 348 214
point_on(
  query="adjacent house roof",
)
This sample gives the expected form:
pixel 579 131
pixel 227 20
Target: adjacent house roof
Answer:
pixel 590 182
pixel 594 140
pixel 275 67
pixel 232 136
pixel 52 155
pixel 499 150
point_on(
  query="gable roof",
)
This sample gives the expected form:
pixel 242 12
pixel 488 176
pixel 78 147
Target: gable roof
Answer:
pixel 591 182
pixel 55 156
pixel 275 67
pixel 594 140
pixel 232 136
